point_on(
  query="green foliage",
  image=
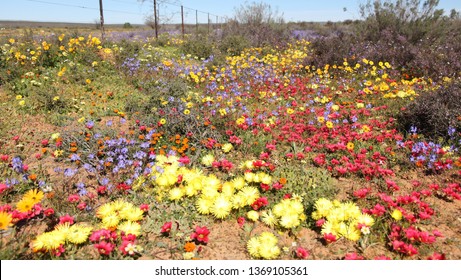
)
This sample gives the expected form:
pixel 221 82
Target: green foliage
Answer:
pixel 413 19
pixel 233 45
pixel 433 113
pixel 199 46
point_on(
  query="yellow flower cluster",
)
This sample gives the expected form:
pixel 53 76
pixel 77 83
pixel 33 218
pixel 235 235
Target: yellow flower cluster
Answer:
pixel 120 215
pixel 289 213
pixel 213 196
pixel 342 219
pixel 264 246
pixel 49 241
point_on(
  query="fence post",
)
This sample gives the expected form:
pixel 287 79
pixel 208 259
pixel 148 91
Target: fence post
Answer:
pixel 155 19
pixel 196 21
pixel 101 12
pixel 182 20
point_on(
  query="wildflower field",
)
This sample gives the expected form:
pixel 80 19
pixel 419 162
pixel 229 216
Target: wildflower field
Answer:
pixel 140 149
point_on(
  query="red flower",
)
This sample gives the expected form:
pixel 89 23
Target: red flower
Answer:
pixel 302 253
pixel 241 221
pixel 353 256
pixel 382 258
pixel 66 219
pixel 329 237
pixel 260 202
pixel 144 207
pixel 101 190
pixel 104 248
pixel 81 205
pixel 3 187
pixel 436 256
pixel 166 228
pixel 200 234
pixel 48 212
pixel 73 198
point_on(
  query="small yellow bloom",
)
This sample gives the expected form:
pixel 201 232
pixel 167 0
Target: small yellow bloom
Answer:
pixel 253 215
pixel 397 215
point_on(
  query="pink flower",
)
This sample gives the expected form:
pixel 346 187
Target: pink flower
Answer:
pixel 319 223
pixel 58 251
pixel 329 237
pixel 436 256
pixel 302 253
pixel 48 212
pixel 45 142
pixel 101 190
pixel 353 256
pixel 260 202
pixel 81 205
pixel 3 187
pixel 184 160
pixel 200 234
pixel 166 228
pixel 100 235
pixel 66 219
pixel 241 221
pixel 144 207
pixel 382 257
pixel 104 248
pixel 73 198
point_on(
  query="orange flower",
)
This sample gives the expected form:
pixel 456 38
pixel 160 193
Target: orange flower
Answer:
pixel 189 247
pixel 33 177
pixel 283 180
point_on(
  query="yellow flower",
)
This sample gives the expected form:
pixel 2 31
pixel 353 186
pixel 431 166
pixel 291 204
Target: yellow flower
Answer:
pixel 162 121
pixel 366 128
pixel 253 215
pixel 350 146
pixel 5 220
pixel 49 241
pixel 34 195
pixel 88 81
pixel 227 147
pixel 251 194
pixel 320 119
pixel 335 107
pixel 208 160
pixel 78 233
pixel 204 205
pixel 253 247
pixel 268 218
pixel 18 97
pixel 25 205
pixel 221 207
pixel 360 105
pixel 186 112
pixel 22 103
pixel 397 215
pixel 130 227
pixel 176 193
pixel 329 124
pixel 111 221
pixel 131 214
pixel 58 153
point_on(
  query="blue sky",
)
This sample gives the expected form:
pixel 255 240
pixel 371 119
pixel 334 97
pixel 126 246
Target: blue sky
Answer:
pixel 135 12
